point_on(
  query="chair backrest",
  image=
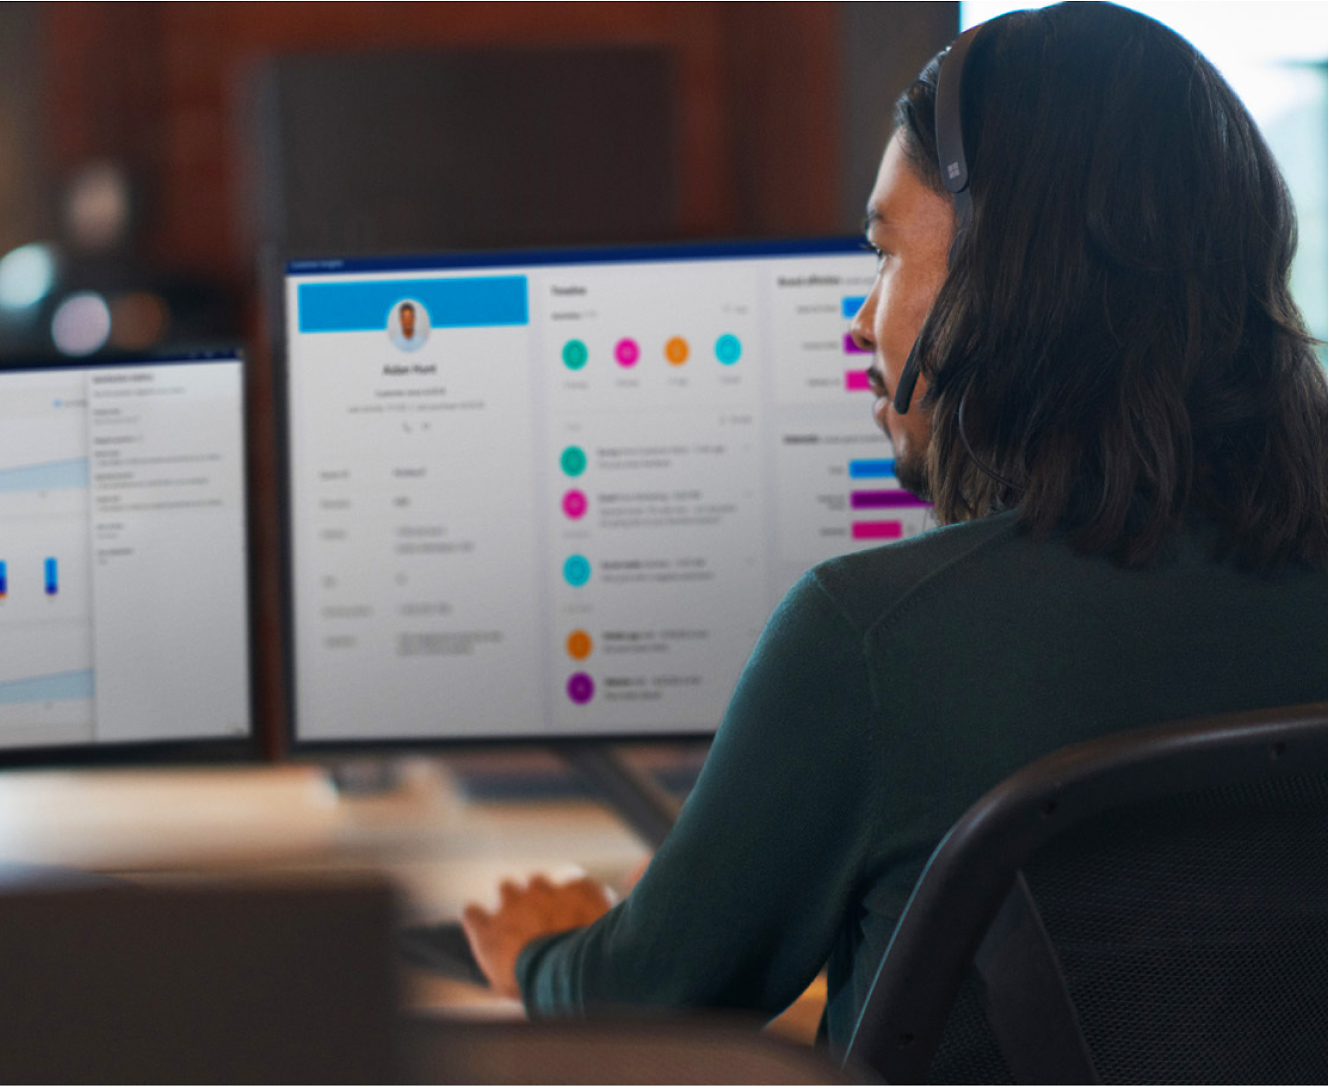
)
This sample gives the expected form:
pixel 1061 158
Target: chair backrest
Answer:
pixel 1150 906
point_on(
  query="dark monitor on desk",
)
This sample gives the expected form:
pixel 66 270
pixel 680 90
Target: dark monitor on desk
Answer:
pixel 124 598
pixel 557 495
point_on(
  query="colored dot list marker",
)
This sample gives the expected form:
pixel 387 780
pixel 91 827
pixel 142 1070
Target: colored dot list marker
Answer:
pixel 676 351
pixel 579 644
pixel 580 688
pixel 574 354
pixel 573 461
pixel 627 352
pixel 728 349
pixel 576 571
pixel 574 504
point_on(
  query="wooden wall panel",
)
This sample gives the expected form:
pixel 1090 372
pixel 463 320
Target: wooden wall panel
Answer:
pixel 157 85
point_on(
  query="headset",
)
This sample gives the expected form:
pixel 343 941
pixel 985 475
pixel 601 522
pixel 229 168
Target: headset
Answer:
pixel 954 175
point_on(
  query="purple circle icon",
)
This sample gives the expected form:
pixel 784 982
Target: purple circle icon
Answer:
pixel 580 688
pixel 627 352
pixel 574 504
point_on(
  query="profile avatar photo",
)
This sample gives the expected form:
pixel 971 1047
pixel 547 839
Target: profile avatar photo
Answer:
pixel 408 326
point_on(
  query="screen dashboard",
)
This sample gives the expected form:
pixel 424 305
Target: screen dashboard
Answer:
pixel 558 494
pixel 124 600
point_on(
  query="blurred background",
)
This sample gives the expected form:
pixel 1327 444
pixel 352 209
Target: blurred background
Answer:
pixel 159 162
pixel 157 159
pixel 152 154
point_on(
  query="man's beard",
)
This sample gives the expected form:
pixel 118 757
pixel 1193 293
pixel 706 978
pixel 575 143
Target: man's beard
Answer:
pixel 911 474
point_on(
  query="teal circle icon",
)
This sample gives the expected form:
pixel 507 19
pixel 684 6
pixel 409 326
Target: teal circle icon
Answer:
pixel 728 349
pixel 574 354
pixel 573 461
pixel 576 570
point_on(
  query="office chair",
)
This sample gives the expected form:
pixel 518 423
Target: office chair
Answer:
pixel 1149 906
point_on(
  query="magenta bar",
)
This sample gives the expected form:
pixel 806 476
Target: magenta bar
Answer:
pixel 886 499
pixel 857 381
pixel 852 348
pixel 877 529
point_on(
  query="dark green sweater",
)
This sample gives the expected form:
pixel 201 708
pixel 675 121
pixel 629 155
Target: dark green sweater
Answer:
pixel 890 689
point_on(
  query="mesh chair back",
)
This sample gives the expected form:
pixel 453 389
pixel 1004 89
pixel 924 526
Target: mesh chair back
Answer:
pixel 1179 878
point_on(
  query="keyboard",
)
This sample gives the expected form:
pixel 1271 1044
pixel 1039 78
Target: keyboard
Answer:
pixel 441 948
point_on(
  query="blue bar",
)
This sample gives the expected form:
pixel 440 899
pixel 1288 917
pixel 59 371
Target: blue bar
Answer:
pixel 52 577
pixel 479 302
pixel 62 686
pixel 871 469
pixel 851 307
pixel 56 475
pixel 4 578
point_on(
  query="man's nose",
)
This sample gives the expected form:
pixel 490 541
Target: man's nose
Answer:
pixel 861 328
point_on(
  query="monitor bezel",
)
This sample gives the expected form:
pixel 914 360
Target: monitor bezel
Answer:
pixel 291 265
pixel 168 752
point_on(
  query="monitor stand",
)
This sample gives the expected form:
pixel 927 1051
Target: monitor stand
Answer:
pixel 634 795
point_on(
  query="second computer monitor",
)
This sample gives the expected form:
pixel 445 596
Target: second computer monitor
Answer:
pixel 124 587
pixel 558 495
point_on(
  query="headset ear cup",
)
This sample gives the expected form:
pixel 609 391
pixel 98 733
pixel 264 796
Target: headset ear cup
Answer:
pixel 907 380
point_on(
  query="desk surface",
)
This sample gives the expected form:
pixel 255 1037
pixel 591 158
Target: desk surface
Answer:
pixel 440 850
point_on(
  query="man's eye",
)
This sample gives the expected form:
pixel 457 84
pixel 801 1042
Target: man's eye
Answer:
pixel 880 255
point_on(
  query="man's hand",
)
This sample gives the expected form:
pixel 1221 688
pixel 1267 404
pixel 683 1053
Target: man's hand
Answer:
pixel 497 938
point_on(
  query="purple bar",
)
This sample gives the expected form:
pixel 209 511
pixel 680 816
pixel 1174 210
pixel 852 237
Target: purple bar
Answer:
pixel 886 499
pixel 877 529
pixel 857 381
pixel 852 348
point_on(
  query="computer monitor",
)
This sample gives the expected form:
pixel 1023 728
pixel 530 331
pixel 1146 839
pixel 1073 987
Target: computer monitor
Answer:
pixel 124 598
pixel 557 495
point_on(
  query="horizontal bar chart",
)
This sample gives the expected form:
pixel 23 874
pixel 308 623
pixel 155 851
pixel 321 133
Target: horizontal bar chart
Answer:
pixel 878 529
pixel 857 381
pixel 871 469
pixel 886 499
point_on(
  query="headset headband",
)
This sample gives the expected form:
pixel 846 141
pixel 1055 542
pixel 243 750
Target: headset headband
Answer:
pixel 954 174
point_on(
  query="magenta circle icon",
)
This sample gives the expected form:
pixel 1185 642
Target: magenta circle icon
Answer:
pixel 575 504
pixel 580 688
pixel 627 352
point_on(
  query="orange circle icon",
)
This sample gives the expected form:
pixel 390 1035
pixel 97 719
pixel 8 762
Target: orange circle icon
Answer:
pixel 579 644
pixel 676 351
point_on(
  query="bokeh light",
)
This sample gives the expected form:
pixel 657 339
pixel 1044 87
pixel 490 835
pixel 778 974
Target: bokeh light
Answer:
pixel 138 320
pixel 26 276
pixel 81 324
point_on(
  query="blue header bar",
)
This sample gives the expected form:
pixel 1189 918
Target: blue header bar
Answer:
pixel 733 250
pixel 451 303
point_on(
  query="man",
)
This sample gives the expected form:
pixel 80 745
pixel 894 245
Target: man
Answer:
pixel 1124 430
pixel 407 334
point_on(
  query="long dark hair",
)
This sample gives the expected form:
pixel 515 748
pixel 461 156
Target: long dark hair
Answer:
pixel 1116 347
